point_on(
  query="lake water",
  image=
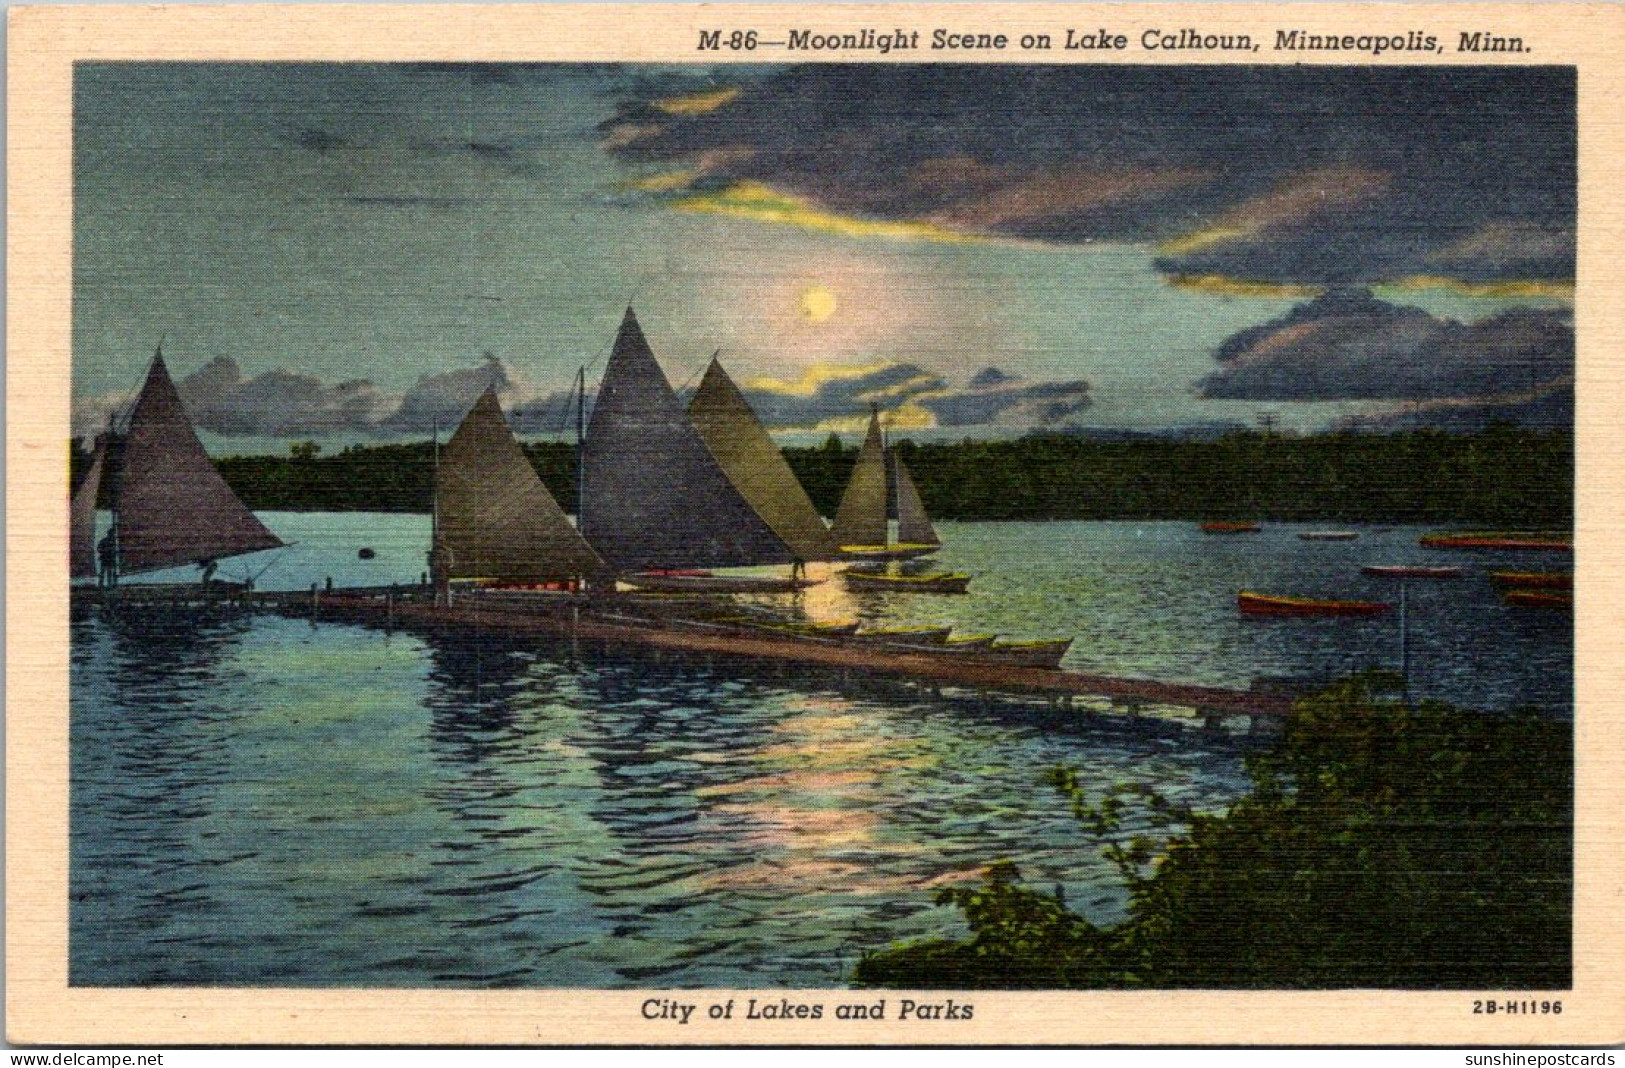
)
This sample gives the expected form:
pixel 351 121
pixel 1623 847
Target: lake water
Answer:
pixel 263 801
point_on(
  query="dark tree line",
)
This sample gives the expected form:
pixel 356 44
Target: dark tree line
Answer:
pixel 1501 477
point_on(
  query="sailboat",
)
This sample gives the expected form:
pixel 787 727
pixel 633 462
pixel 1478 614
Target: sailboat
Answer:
pixel 756 467
pixel 170 506
pixel 494 519
pixel 861 528
pixel 655 502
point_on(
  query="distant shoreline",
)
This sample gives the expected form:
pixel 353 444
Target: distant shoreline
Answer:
pixel 1501 478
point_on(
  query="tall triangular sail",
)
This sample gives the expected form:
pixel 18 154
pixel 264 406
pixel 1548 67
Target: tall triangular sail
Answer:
pixel 652 495
pixel 496 518
pixel 861 517
pixel 913 525
pixel 173 507
pixel 756 467
pixel 82 517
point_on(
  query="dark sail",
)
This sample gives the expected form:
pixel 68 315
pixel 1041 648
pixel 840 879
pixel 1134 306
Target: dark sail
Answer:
pixel 173 507
pixel 756 467
pixel 913 525
pixel 82 517
pixel 861 518
pixel 496 518
pixel 652 495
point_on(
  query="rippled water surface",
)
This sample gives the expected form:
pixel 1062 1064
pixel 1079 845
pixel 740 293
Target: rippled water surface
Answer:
pixel 264 801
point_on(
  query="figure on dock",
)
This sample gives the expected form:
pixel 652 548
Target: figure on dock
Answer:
pixel 107 557
pixel 440 574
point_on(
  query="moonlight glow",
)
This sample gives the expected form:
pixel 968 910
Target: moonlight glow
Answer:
pixel 816 304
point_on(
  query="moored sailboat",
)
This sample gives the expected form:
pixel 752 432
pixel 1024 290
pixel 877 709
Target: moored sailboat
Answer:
pixel 861 527
pixel 170 506
pixel 494 520
pixel 656 504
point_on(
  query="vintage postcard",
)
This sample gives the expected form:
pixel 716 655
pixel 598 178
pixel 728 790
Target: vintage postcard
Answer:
pixel 791 524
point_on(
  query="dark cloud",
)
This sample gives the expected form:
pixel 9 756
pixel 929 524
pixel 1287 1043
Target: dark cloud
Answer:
pixel 992 398
pixel 1551 410
pixel 1347 345
pixel 997 399
pixel 1291 175
pixel 277 403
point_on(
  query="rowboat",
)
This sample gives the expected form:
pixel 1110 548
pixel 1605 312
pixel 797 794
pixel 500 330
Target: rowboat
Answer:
pixel 1548 541
pixel 905 635
pixel 1534 580
pixel 935 582
pixel 1328 535
pixel 1040 653
pixel 1261 604
pixel 1225 527
pixel 1417 571
pixel 1538 599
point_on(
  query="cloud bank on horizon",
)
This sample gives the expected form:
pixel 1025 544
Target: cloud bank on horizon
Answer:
pixel 282 403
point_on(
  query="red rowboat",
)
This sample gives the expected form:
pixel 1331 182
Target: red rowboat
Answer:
pixel 1261 604
pixel 1549 542
pixel 1538 599
pixel 1533 580
pixel 1222 527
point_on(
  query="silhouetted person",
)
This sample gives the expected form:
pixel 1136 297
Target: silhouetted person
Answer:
pixel 107 557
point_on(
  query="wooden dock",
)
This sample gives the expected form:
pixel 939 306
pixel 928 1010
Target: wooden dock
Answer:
pixel 624 621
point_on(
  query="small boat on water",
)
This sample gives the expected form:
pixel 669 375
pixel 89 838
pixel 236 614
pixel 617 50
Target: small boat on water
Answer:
pixel 1409 571
pixel 904 635
pixel 1328 535
pixel 1533 580
pixel 861 527
pixel 1261 604
pixel 1228 527
pixel 1546 541
pixel 933 582
pixel 1039 653
pixel 1525 598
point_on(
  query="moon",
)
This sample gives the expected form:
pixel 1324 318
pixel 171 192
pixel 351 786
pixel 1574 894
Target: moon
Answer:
pixel 816 304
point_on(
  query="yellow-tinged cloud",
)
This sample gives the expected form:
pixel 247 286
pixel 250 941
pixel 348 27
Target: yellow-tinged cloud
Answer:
pixel 1224 286
pixel 908 416
pixel 763 203
pixel 817 376
pixel 1529 287
pixel 667 182
pixel 909 387
pixel 697 103
pixel 1295 200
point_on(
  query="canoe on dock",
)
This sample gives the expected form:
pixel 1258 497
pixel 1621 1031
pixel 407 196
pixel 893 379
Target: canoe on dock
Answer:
pixel 1261 604
pixel 1532 541
pixel 1229 527
pixel 904 635
pixel 933 582
pixel 1533 580
pixel 704 582
pixel 1038 653
pixel 1410 571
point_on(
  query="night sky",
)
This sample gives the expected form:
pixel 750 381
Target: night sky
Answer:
pixel 352 252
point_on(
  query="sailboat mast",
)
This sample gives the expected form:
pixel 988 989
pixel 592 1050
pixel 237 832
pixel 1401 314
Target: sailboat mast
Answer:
pixel 434 497
pixel 581 443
